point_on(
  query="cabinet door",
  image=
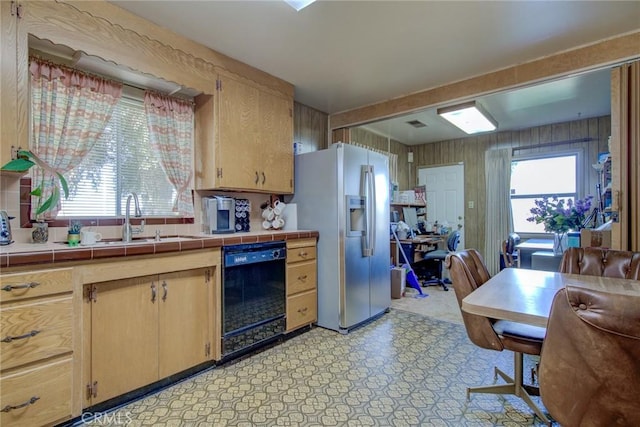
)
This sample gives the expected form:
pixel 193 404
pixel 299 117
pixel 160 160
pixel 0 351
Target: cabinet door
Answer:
pixel 236 155
pixel 276 143
pixel 183 320
pixel 124 336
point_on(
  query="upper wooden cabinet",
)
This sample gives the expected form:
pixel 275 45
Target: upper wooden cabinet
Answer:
pixel 244 138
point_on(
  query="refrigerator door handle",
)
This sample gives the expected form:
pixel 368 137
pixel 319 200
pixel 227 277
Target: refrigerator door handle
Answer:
pixel 367 185
pixel 372 210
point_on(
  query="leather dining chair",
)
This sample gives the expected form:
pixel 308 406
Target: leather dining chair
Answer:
pixel 508 249
pixel 601 262
pixel 589 371
pixel 468 272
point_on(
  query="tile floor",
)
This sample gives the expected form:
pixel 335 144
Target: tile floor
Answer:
pixel 403 369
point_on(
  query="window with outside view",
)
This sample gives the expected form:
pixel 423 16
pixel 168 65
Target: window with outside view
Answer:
pixel 122 161
pixel 537 178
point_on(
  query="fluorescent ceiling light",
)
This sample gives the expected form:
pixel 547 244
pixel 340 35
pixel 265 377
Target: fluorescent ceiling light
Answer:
pixel 470 117
pixel 298 5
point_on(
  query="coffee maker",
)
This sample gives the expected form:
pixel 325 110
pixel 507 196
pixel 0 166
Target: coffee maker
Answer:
pixel 218 215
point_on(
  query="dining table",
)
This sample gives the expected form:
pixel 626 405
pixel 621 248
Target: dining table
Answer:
pixel 525 296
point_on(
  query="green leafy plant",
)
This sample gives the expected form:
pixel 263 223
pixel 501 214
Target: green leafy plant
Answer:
pixel 74 227
pixel 24 161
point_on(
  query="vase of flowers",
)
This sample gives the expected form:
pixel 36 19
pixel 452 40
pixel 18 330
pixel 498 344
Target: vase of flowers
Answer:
pixel 560 216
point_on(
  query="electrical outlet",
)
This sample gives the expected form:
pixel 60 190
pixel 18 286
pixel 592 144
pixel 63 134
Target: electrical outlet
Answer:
pixel 470 204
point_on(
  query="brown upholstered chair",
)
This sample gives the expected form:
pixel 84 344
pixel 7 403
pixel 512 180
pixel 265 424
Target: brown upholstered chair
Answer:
pixel 468 272
pixel 508 249
pixel 590 364
pixel 601 262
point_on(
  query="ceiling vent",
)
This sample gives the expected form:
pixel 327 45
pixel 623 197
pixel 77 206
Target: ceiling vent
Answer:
pixel 416 124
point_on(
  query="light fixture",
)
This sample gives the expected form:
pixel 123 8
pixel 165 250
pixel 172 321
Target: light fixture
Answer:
pixel 470 117
pixel 298 5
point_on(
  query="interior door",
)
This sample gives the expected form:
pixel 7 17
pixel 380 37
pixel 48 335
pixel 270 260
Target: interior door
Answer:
pixel 445 195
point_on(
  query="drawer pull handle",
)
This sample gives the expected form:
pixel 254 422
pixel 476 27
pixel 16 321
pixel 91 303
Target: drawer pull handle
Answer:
pixel 31 401
pixel 29 285
pixel 302 254
pixel 21 337
pixel 302 278
pixel 302 310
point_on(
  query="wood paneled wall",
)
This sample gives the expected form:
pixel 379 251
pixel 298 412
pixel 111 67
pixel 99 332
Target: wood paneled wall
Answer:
pixel 310 127
pixel 373 140
pixel 471 151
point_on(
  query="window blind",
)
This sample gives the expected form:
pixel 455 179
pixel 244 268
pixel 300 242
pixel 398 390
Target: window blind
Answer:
pixel 121 162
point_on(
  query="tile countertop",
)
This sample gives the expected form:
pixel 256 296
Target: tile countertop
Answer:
pixel 20 254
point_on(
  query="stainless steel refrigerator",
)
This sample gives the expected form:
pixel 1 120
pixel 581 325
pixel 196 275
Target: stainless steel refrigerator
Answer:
pixel 343 192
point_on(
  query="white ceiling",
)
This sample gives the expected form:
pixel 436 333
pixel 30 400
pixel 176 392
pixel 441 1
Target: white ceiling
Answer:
pixel 342 55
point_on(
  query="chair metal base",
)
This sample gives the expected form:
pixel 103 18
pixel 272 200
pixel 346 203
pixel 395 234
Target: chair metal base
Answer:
pixel 515 387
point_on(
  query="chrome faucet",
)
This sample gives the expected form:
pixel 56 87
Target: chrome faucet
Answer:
pixel 127 230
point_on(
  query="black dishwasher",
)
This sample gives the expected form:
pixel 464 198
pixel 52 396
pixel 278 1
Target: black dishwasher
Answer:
pixel 253 295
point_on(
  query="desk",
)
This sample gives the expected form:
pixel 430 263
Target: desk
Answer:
pixel 525 296
pixel 545 260
pixel 419 245
pixel 530 246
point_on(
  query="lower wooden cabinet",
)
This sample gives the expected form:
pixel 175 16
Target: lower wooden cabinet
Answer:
pixel 302 278
pixel 36 347
pixel 146 328
pixel 38 395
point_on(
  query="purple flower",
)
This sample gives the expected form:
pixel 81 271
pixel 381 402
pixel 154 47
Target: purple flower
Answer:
pixel 559 216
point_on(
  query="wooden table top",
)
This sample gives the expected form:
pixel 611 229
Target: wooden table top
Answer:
pixel 525 296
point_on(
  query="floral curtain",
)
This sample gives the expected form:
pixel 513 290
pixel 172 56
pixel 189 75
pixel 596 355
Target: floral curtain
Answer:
pixel 170 123
pixel 497 166
pixel 70 110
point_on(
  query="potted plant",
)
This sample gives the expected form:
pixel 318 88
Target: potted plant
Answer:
pixel 24 161
pixel 559 217
pixel 73 233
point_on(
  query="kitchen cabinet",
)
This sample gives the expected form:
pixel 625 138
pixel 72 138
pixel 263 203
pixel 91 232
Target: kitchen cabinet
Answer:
pixel 144 329
pixel 36 347
pixel 302 279
pixel 244 138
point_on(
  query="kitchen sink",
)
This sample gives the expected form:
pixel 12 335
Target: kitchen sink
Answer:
pixel 135 241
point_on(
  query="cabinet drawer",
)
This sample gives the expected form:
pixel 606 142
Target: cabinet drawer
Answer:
pixel 301 277
pixel 19 286
pixel 49 323
pixel 304 253
pixel 45 392
pixel 302 310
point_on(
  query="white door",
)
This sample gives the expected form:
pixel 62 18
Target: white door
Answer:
pixel 444 195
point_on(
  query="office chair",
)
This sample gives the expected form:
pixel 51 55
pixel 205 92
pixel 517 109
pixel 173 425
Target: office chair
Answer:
pixel 590 362
pixel 508 249
pixel 468 273
pixel 431 263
